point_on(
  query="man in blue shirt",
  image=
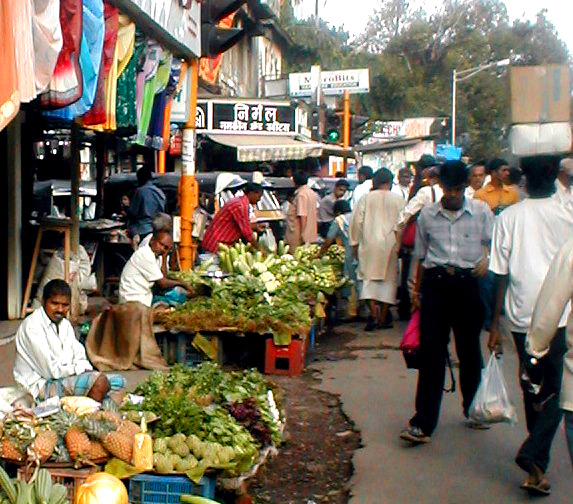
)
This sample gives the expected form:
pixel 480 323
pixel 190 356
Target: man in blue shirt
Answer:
pixel 146 203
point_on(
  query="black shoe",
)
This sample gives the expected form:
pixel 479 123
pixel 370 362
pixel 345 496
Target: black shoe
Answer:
pixel 371 325
pixel 414 435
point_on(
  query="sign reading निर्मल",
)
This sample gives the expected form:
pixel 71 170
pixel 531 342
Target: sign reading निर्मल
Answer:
pixel 333 83
pixel 175 24
pixel 242 117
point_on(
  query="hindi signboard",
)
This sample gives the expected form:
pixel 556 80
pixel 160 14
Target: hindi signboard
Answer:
pixel 333 83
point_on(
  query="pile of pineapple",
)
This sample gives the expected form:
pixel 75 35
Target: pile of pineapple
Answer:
pixel 180 453
pixel 67 437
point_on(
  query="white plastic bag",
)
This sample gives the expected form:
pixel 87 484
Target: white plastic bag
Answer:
pixel 268 241
pixel 491 403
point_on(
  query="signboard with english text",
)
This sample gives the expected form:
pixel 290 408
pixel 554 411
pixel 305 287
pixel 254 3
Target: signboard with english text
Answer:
pixel 333 83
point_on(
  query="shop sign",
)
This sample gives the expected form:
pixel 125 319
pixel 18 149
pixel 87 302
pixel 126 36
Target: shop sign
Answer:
pixel 176 24
pixel 240 117
pixel 333 83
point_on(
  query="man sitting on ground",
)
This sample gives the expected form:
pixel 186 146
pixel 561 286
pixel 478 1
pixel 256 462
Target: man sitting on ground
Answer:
pixel 50 360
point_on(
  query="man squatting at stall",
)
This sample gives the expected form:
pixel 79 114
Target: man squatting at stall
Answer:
pixel 50 361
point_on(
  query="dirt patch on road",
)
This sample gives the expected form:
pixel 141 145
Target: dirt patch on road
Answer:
pixel 315 462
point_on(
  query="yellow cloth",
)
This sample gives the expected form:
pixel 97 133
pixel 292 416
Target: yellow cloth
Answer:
pixel 123 53
pixel 498 197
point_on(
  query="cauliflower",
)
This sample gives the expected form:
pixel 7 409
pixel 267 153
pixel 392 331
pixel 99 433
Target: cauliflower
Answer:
pixel 267 277
pixel 259 267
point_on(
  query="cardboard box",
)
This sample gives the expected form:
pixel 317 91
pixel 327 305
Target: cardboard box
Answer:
pixel 536 139
pixel 539 94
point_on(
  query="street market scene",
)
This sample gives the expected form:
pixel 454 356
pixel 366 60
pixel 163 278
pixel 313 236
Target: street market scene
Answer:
pixel 286 251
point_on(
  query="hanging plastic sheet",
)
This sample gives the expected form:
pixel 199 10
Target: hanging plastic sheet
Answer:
pixel 48 40
pixel 66 85
pixel 90 60
pixel 9 94
pixel 97 114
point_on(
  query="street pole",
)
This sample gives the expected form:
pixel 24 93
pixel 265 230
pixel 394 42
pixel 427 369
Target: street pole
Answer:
pixel 188 185
pixel 316 20
pixel 75 188
pixel 346 130
pixel 454 81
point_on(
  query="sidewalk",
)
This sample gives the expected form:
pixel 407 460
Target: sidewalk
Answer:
pixel 460 465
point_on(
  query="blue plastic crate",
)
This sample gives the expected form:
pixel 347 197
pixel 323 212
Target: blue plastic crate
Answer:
pixel 162 489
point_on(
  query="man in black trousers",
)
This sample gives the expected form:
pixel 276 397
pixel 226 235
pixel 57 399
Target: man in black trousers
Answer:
pixel 452 245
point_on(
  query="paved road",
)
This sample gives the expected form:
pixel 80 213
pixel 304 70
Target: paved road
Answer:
pixel 459 466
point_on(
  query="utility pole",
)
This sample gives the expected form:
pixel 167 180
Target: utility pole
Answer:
pixel 316 20
pixel 189 188
pixel 346 130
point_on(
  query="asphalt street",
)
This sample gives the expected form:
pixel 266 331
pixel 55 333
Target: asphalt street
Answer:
pixel 460 465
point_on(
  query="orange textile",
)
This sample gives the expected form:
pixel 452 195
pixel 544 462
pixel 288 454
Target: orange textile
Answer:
pixel 9 94
pixel 24 47
pixel 210 68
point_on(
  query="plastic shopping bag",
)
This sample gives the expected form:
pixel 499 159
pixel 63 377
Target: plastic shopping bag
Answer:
pixel 491 403
pixel 268 241
pixel 410 344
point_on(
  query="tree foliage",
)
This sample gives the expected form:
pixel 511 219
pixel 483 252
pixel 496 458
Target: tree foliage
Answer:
pixel 411 55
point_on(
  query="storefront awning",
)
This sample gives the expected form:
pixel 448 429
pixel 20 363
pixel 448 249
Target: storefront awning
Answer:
pixel 268 147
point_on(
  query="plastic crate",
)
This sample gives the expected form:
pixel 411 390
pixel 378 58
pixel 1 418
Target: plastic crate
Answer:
pixel 161 489
pixel 187 354
pixel 70 478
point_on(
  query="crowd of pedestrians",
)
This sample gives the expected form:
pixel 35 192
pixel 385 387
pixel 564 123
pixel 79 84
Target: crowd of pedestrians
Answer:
pixel 466 246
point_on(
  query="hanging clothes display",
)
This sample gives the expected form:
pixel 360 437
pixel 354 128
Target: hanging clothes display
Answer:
pixel 24 47
pixel 66 84
pixel 146 73
pixel 97 114
pixel 90 60
pixel 9 94
pixel 48 40
pixel 122 54
pixel 153 87
pixel 126 108
pixel 162 110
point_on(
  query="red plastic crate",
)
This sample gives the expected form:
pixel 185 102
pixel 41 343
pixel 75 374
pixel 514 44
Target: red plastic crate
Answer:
pixel 293 356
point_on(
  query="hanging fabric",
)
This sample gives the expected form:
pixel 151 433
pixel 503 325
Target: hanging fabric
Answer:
pixel 146 73
pixel 9 94
pixel 66 84
pixel 97 114
pixel 24 48
pixel 48 40
pixel 90 60
pixel 126 107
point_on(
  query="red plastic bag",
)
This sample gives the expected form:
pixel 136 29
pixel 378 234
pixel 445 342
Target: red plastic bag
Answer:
pixel 409 235
pixel 410 344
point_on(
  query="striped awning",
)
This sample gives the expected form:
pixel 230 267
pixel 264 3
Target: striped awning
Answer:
pixel 268 147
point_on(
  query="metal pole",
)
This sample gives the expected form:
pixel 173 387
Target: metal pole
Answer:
pixel 454 81
pixel 189 187
pixel 316 20
pixel 346 130
pixel 75 188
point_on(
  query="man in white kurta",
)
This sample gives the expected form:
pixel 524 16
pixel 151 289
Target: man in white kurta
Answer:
pixel 50 360
pixel 374 240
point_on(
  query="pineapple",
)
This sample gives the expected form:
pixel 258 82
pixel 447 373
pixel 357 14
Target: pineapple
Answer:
pixel 111 417
pixel 97 451
pixel 114 441
pixel 77 440
pixel 43 445
pixel 128 428
pixel 11 451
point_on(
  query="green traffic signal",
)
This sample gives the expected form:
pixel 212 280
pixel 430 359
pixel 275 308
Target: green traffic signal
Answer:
pixel 333 136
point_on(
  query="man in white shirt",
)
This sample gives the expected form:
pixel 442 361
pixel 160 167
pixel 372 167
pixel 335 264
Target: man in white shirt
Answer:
pixel 50 360
pixel 143 271
pixel 365 178
pixel 402 188
pixel 526 238
pixel 477 178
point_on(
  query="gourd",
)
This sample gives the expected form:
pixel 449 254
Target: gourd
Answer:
pixel 102 488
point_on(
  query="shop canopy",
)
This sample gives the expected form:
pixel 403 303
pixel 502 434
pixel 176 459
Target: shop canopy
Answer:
pixel 268 147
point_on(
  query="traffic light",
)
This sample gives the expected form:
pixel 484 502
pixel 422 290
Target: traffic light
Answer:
pixel 333 127
pixel 357 131
pixel 215 39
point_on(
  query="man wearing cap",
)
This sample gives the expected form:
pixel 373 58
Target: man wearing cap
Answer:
pixel 233 223
pixel 326 209
pixel 452 236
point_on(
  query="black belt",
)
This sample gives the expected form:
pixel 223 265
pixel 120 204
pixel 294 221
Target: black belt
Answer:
pixel 449 271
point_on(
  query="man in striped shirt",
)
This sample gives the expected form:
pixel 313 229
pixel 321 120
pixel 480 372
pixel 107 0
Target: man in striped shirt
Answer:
pixel 232 223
